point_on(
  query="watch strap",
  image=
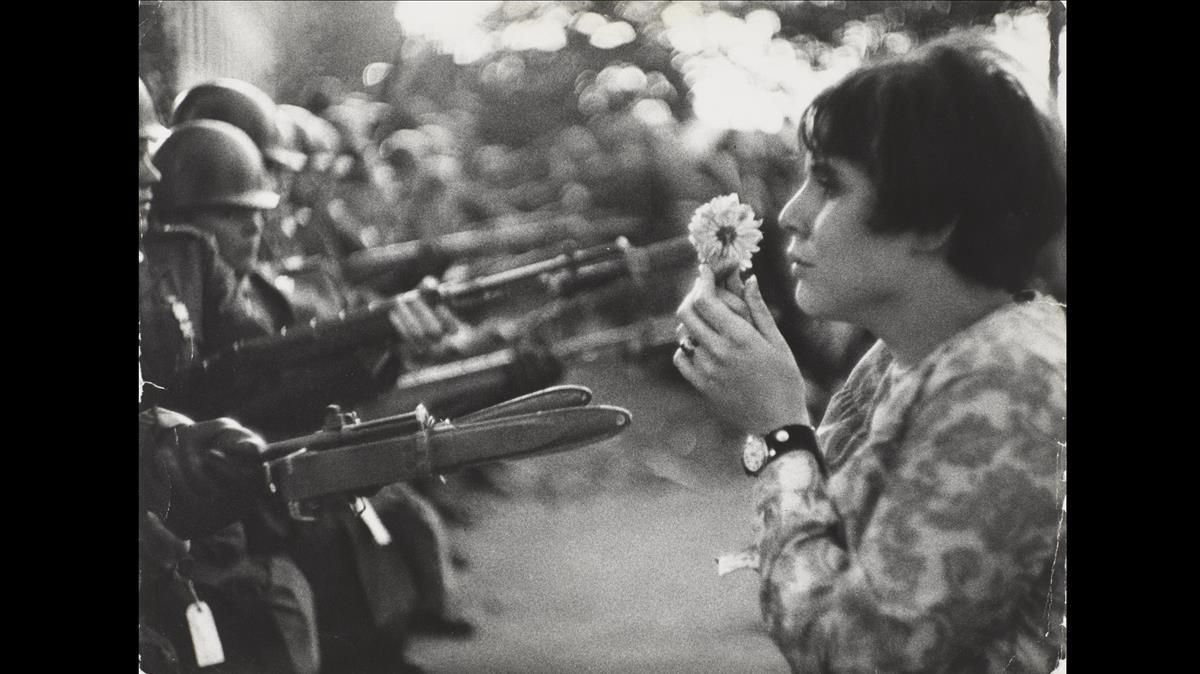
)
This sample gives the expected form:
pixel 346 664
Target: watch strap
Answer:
pixel 792 438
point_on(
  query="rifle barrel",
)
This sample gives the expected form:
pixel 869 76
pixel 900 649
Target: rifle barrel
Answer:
pixel 562 275
pixel 635 262
pixel 504 236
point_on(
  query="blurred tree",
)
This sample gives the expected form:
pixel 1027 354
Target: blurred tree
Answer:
pixel 534 66
pixel 333 39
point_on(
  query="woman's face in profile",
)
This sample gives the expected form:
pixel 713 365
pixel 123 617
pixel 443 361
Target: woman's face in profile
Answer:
pixel 841 268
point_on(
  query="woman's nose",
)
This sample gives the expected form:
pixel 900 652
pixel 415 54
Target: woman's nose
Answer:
pixel 793 217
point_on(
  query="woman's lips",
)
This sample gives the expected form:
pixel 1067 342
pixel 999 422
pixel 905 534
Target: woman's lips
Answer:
pixel 799 267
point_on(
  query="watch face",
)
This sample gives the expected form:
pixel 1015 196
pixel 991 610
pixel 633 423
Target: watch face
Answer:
pixel 754 454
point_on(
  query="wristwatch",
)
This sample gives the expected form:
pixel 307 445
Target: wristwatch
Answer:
pixel 761 450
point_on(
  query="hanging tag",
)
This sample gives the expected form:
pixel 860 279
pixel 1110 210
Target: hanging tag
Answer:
pixel 371 518
pixel 204 635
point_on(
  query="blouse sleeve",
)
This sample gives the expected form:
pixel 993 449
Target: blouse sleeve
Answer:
pixel 964 523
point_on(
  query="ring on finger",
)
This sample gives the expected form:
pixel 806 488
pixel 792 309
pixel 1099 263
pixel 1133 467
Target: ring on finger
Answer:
pixel 687 345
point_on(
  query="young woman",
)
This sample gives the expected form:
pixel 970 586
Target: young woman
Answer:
pixel 922 527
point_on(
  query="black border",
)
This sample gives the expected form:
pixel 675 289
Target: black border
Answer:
pixel 85 484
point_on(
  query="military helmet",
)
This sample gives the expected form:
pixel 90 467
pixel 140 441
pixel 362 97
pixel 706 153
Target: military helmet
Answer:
pixel 318 137
pixel 149 127
pixel 243 105
pixel 297 118
pixel 210 163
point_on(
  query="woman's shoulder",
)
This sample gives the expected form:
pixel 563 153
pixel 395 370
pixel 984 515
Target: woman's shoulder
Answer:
pixel 1007 372
pixel 1020 343
pixel 1014 359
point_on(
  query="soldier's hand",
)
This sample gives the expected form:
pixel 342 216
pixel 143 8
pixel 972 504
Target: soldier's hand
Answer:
pixel 209 474
pixel 463 339
pixel 226 439
pixel 434 334
pixel 419 326
pixel 158 546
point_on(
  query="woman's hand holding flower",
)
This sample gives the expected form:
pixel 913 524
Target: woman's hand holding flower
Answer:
pixel 742 365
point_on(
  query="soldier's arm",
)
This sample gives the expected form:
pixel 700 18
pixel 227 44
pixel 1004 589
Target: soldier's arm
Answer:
pixel 197 477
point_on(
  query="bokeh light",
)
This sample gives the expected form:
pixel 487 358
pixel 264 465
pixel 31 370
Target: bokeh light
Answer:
pixel 452 26
pixel 374 73
pixel 612 35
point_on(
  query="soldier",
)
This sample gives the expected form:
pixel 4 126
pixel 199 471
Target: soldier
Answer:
pixel 195 479
pixel 328 226
pixel 186 291
pixel 150 131
pixel 250 109
pixel 186 300
pixel 317 232
pixel 213 179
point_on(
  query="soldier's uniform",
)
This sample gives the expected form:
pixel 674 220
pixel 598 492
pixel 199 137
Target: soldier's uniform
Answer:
pixel 364 589
pixel 187 308
pixel 368 592
pixel 291 400
pixel 261 603
pixel 190 307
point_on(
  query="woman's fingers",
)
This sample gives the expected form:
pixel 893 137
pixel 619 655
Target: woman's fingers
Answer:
pixel 698 329
pixel 691 371
pixel 734 284
pixel 717 315
pixel 736 304
pixel 760 313
pixel 757 305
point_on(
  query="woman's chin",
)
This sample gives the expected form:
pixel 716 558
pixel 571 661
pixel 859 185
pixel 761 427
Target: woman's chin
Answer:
pixel 808 303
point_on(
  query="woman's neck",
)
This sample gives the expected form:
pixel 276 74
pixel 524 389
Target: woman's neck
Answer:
pixel 932 312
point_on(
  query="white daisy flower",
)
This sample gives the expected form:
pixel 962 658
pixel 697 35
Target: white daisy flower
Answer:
pixel 725 234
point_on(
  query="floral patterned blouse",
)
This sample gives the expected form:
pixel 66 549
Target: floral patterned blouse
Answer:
pixel 937 542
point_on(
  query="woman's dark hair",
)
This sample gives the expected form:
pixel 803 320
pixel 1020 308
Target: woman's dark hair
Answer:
pixel 949 136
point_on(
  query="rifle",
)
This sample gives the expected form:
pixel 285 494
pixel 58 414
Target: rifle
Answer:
pixel 503 235
pixel 348 456
pixel 561 276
